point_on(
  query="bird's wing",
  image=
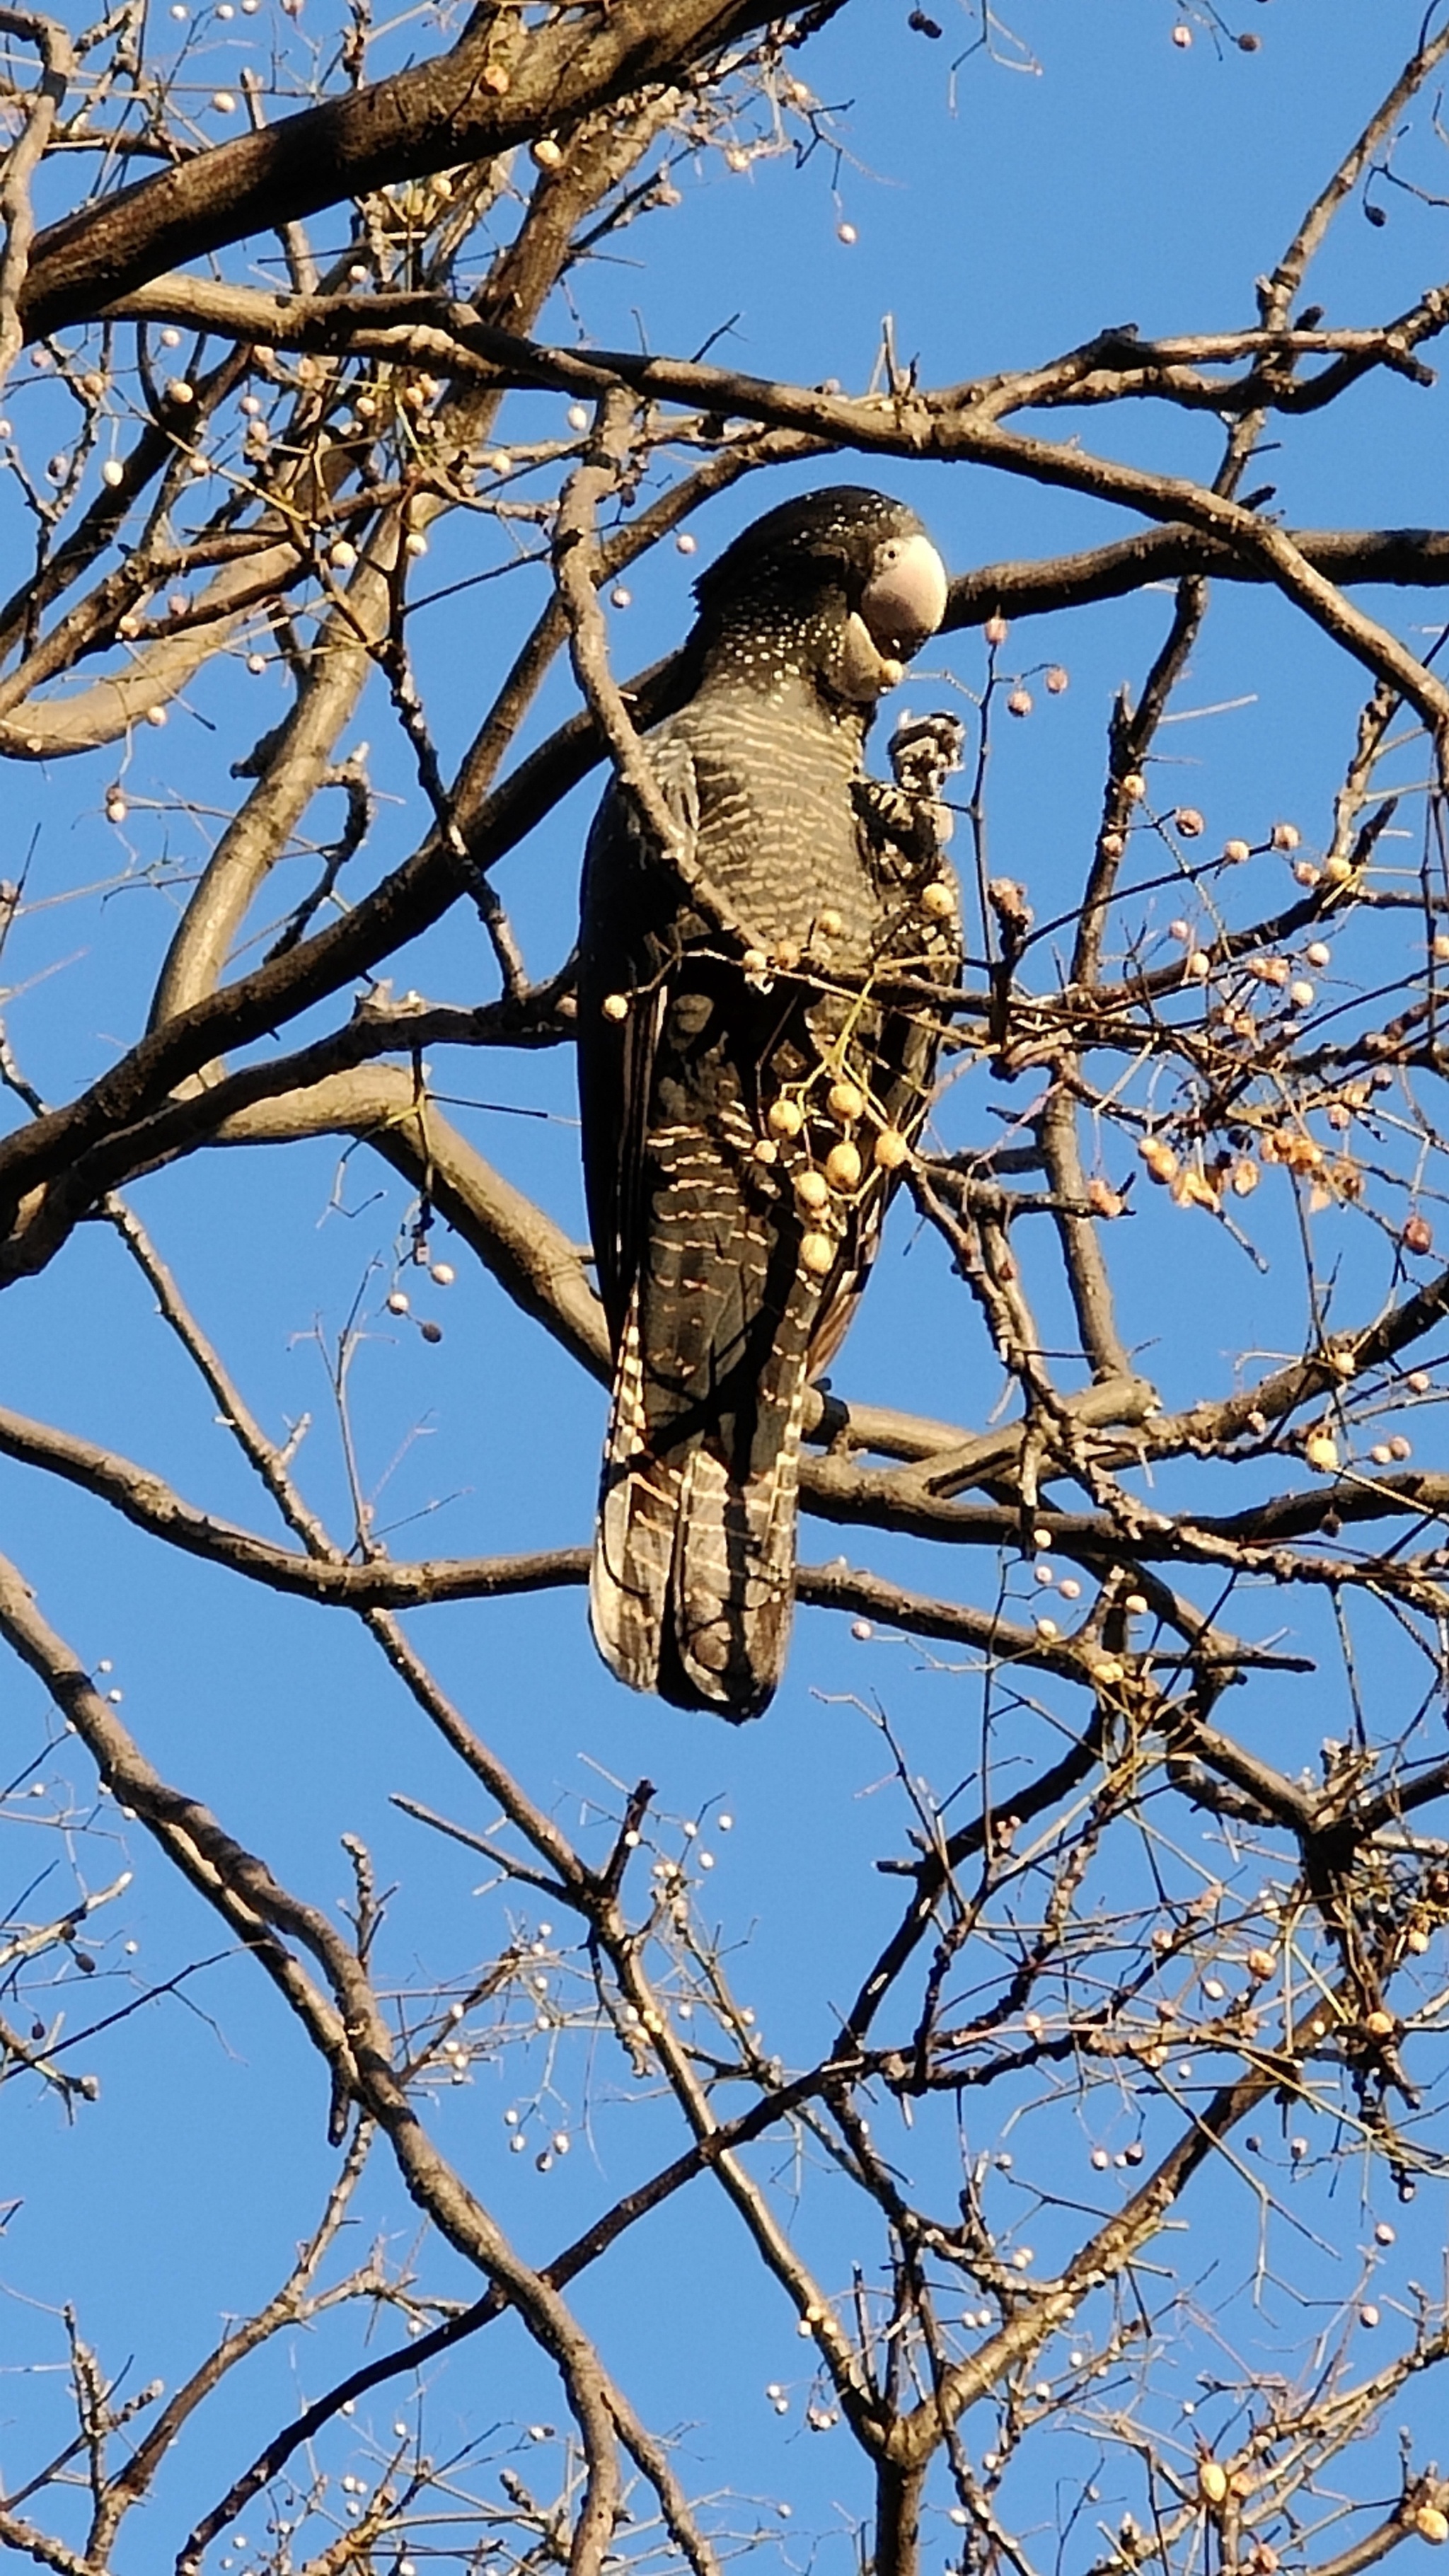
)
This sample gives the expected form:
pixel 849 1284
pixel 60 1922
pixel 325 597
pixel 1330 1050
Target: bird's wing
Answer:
pixel 662 1210
pixel 697 1261
pixel 694 1566
pixel 635 920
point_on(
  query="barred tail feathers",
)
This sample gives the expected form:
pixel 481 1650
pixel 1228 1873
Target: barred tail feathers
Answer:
pixel 732 1589
pixel 634 1534
pixel 693 1579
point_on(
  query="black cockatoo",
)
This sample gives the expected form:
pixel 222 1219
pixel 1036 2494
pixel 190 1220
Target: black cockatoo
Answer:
pixel 753 1066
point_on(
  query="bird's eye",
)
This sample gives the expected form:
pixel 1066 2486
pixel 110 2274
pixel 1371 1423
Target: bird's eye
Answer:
pixel 890 552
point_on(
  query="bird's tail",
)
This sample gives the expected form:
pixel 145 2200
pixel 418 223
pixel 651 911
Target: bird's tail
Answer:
pixel 693 1580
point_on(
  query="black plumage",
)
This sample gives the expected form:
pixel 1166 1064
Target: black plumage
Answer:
pixel 750 1084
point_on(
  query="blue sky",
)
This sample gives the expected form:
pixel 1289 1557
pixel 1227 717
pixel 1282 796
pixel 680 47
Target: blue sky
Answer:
pixel 1122 177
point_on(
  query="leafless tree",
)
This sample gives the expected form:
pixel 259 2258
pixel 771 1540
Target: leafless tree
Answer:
pixel 1091 2018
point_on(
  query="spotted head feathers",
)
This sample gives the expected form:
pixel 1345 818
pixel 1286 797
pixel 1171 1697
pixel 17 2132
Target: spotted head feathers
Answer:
pixel 840 586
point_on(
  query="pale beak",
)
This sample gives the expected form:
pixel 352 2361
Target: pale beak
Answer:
pixel 862 672
pixel 905 601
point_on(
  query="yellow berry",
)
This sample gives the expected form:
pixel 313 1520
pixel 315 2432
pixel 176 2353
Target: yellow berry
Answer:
pixel 842 1166
pixel 786 1118
pixel 891 1149
pixel 937 900
pixel 1159 1158
pixel 846 1100
pixel 817 1254
pixel 615 1006
pixel 812 1189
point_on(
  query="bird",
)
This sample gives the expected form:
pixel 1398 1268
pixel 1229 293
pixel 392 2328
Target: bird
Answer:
pixel 754 1069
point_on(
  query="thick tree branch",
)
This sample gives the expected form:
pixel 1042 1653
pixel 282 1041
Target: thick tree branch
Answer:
pixel 500 86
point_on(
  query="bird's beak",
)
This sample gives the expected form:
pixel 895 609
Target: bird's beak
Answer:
pixel 905 601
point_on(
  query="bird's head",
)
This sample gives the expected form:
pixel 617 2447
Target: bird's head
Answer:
pixel 840 586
